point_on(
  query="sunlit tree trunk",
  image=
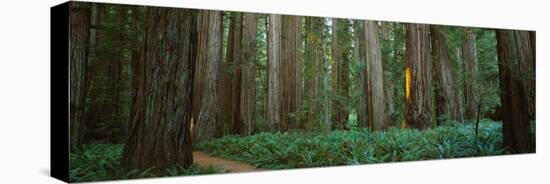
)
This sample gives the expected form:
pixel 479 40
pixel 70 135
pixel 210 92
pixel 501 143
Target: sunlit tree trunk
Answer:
pixel 375 76
pixel 207 64
pixel 419 106
pixel 446 100
pixel 471 83
pixel 79 37
pixel 159 132
pixel 274 69
pixel 514 53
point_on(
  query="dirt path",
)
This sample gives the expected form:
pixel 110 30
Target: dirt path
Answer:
pixel 202 159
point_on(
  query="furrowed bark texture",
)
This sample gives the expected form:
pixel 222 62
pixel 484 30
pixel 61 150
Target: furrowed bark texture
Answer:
pixel 248 91
pixel 513 56
pixel 375 76
pixel 205 90
pixel 79 33
pixel 274 69
pixel 446 99
pixel 291 75
pixel 419 108
pixel 471 84
pixel 159 132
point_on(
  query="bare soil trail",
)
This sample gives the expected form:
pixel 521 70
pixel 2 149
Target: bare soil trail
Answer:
pixel 202 159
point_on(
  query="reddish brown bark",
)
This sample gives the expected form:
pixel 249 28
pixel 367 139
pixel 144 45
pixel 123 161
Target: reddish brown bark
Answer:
pixel 419 108
pixel 514 52
pixel 79 33
pixel 159 132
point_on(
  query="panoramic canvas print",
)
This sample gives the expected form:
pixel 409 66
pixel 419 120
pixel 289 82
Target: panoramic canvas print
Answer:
pixel 160 91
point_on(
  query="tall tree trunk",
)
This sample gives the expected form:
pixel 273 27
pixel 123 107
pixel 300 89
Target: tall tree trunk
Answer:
pixel 375 76
pixel 137 29
pixel 248 91
pixel 274 70
pixel 514 52
pixel 291 58
pixel 419 110
pixel 229 82
pixel 471 84
pixel 159 135
pixel 313 54
pixel 207 64
pixel 526 43
pixel 79 37
pixel 446 99
pixel 236 72
pixel 360 58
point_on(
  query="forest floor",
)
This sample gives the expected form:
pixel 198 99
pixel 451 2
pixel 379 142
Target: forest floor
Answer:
pixel 203 160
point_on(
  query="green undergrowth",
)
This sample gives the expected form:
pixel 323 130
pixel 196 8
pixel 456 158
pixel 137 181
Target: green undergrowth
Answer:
pixel 358 146
pixel 97 162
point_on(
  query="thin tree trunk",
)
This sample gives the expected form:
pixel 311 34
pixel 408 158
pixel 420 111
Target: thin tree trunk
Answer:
pixel 359 51
pixel 419 110
pixel 159 135
pixel 513 55
pixel 471 84
pixel 313 54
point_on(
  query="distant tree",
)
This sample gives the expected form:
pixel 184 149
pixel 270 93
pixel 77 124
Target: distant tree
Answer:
pixel 248 79
pixel 419 110
pixel 471 83
pixel 159 132
pixel 313 55
pixel 229 83
pixel 515 57
pixel 79 37
pixel 341 39
pixel 359 55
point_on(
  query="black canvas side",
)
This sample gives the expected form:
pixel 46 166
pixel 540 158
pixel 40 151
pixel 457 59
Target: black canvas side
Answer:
pixel 59 91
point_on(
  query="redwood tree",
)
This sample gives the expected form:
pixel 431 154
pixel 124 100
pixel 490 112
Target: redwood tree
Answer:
pixel 159 132
pixel 514 54
pixel 205 90
pixel 471 86
pixel 79 36
pixel 313 55
pixel 248 78
pixel 291 71
pixel 340 75
pixel 375 77
pixel 446 99
pixel 359 55
pixel 419 110
pixel 274 69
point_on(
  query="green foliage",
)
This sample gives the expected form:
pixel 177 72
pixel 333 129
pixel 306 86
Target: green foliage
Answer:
pixel 97 162
pixel 359 146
